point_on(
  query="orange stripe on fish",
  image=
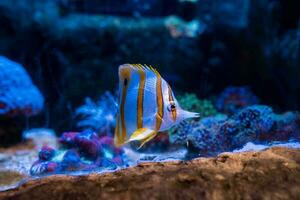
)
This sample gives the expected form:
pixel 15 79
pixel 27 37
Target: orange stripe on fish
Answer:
pixel 140 100
pixel 117 133
pixel 125 76
pixel 172 103
pixel 159 99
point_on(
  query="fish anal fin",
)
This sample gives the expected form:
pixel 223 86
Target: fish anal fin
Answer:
pixel 144 141
pixel 141 134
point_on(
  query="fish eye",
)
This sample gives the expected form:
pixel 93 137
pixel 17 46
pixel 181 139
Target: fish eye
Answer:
pixel 125 81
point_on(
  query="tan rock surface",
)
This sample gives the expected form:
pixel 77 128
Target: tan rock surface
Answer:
pixel 270 174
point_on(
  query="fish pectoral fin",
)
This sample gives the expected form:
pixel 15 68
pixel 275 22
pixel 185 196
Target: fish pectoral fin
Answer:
pixel 141 134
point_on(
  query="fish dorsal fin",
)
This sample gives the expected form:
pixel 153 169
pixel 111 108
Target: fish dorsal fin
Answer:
pixel 127 71
pixel 139 67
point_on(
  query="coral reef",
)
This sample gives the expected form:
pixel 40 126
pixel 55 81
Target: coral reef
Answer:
pixel 232 99
pixel 18 95
pixel 81 151
pixel 220 133
pixel 270 174
pixel 19 98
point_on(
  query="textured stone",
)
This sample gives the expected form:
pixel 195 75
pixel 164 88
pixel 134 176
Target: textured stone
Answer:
pixel 274 173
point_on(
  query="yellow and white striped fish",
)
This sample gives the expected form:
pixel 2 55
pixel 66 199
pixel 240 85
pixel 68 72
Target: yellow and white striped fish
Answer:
pixel 147 105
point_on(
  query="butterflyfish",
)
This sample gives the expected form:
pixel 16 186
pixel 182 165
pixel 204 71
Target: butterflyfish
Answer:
pixel 147 105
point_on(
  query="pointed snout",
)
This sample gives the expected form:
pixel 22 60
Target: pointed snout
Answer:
pixel 186 114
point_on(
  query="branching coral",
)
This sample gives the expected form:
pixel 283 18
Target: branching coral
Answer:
pixel 98 116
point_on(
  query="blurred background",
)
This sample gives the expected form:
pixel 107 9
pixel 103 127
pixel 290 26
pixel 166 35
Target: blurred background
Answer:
pixel 72 49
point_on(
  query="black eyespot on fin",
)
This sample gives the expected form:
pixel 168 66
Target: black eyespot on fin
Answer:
pixel 171 107
pixel 125 81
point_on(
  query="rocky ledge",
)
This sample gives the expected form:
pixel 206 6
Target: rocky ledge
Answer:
pixel 270 174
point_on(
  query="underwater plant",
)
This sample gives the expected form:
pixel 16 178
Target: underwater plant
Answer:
pixel 232 99
pixel 98 116
pixel 190 101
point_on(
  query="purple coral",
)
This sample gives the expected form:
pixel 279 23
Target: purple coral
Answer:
pixel 18 95
pixel 67 139
pixel 81 151
pixel 232 99
pixel 88 144
pixel 42 167
pixel 46 153
pixel 71 161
